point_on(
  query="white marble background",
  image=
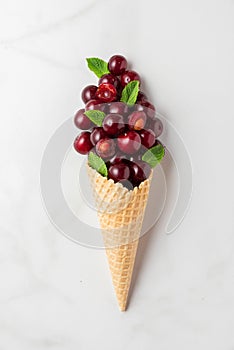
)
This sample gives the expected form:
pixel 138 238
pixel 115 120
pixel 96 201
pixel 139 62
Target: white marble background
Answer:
pixel 55 294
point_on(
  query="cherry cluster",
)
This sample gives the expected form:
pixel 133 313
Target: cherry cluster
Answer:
pixel 127 131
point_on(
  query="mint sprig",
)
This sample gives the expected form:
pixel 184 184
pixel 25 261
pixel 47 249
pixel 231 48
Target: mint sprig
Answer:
pixel 95 116
pixel 154 155
pixel 97 163
pixel 98 66
pixel 130 92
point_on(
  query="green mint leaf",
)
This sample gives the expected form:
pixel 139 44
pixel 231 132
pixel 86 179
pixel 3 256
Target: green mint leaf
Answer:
pixel 95 116
pixel 154 155
pixel 130 92
pixel 98 66
pixel 97 163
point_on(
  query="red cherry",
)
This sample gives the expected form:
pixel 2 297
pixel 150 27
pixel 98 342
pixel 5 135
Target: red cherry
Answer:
pixel 149 109
pixel 113 124
pixel 128 76
pixel 140 171
pixel 88 93
pixel 105 148
pixel 82 121
pixel 118 108
pixel 147 138
pixel 129 143
pixel 118 157
pixel 141 97
pixel 119 172
pixel 110 79
pixel 97 134
pixel 137 120
pixel 157 126
pixel 95 104
pixel 117 64
pixel 82 143
pixel 106 92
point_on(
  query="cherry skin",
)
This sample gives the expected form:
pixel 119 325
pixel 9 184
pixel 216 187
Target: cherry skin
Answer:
pixel 110 79
pixel 118 172
pixel 149 108
pixel 140 171
pixel 157 126
pixel 147 138
pixel 118 107
pixel 130 142
pixel 128 76
pixel 97 134
pixel 117 64
pixel 95 105
pixel 141 97
pixel 137 120
pixel 113 124
pixel 88 93
pixel 106 92
pixel 82 121
pixel 105 148
pixel 118 157
pixel 82 143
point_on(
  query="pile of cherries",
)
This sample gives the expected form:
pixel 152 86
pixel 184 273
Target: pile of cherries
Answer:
pixel 126 132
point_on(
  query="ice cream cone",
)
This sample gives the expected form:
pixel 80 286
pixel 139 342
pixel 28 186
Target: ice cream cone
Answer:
pixel 121 214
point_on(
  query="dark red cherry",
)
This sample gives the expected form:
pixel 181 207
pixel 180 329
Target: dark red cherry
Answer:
pixel 140 171
pixel 118 107
pixel 105 148
pixel 117 157
pixel 157 126
pixel 141 97
pixel 128 76
pixel 113 124
pixel 97 134
pixel 137 120
pixel 88 93
pixel 106 92
pixel 117 64
pixel 82 143
pixel 82 121
pixel 110 79
pixel 149 109
pixel 95 104
pixel 119 172
pixel 147 138
pixel 129 142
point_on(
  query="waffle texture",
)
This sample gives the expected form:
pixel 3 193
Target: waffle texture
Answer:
pixel 120 213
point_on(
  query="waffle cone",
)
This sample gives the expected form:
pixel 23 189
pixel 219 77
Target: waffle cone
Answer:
pixel 121 214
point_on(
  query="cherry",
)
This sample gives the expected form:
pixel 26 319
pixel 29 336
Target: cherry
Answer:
pixel 97 134
pixel 130 142
pixel 106 92
pixel 95 104
pixel 118 107
pixel 140 171
pixel 141 97
pixel 88 93
pixel 149 108
pixel 82 143
pixel 119 172
pixel 128 76
pixel 137 120
pixel 113 124
pixel 110 79
pixel 118 157
pixel 82 121
pixel 157 126
pixel 105 148
pixel 117 64
pixel 147 138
